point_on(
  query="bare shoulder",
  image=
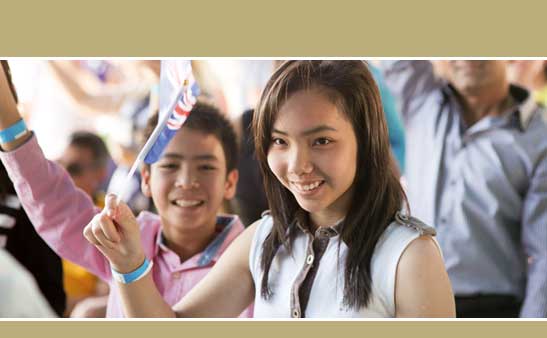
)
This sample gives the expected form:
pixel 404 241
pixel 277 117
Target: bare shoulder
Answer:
pixel 422 287
pixel 248 234
pixel 421 250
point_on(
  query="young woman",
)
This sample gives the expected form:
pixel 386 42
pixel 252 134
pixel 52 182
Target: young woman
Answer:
pixel 335 244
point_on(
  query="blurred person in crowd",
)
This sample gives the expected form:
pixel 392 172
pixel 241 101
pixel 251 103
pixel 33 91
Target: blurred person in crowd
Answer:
pixel 18 237
pixel 86 159
pixel 196 172
pixel 476 168
pixel 251 199
pixel 530 74
pixel 19 293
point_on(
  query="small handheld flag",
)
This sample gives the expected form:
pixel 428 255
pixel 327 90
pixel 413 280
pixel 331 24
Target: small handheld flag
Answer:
pixel 177 95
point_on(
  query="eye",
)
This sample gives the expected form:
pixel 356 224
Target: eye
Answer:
pixel 278 141
pixel 322 141
pixel 168 166
pixel 206 167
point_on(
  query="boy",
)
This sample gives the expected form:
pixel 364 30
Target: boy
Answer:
pixel 188 185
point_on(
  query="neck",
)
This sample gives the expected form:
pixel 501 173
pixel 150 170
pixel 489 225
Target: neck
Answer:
pixel 486 102
pixel 188 243
pixel 324 219
pixel 334 213
pixel 538 82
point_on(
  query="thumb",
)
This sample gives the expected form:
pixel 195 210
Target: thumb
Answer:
pixel 111 205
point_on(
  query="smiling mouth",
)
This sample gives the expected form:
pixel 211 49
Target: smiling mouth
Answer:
pixel 184 203
pixel 308 187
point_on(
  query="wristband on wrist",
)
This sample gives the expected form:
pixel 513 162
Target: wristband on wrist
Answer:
pixel 13 132
pixel 135 275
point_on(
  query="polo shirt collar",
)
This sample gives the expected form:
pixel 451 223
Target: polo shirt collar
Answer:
pixel 224 223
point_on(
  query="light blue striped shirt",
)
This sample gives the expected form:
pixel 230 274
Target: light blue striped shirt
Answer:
pixel 484 187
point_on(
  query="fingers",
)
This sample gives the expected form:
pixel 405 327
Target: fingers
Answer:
pixel 107 228
pixel 101 231
pixel 120 213
pixel 124 256
pixel 111 205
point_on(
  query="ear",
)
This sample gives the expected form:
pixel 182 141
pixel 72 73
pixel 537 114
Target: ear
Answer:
pixel 145 181
pixel 231 184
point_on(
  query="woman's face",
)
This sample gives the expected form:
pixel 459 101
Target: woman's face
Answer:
pixel 313 153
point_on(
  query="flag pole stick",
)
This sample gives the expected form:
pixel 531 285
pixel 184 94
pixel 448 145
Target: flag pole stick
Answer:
pixel 149 143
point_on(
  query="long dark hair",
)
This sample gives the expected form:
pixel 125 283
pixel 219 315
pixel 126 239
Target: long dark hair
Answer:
pixel 378 194
pixel 6 186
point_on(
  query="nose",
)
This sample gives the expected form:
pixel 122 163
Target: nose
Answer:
pixel 299 162
pixel 186 179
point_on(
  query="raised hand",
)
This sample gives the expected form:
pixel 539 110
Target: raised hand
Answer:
pixel 115 233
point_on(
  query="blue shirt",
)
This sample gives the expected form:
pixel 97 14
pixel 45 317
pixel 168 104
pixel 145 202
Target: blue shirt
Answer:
pixel 483 187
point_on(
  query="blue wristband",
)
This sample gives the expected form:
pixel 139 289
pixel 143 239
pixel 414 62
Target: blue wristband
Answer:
pixel 13 132
pixel 133 276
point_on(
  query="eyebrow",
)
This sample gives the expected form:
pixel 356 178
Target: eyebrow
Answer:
pixel 309 131
pixel 203 157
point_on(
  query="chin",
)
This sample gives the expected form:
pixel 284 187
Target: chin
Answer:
pixel 311 206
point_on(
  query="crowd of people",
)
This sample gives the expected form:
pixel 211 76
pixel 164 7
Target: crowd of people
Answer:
pixel 324 188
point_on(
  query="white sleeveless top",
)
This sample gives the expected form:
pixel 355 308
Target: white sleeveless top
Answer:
pixel 327 291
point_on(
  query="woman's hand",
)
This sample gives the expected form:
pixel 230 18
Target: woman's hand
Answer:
pixel 115 233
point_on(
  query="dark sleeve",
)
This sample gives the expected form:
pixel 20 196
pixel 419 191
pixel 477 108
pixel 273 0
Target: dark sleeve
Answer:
pixel 37 257
pixel 251 197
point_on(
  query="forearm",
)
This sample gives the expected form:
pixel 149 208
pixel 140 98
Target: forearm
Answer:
pixel 72 77
pixel 9 114
pixel 57 209
pixel 410 81
pixel 535 301
pixel 534 242
pixel 142 299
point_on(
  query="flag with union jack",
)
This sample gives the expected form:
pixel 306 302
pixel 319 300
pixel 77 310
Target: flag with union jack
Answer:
pixel 178 93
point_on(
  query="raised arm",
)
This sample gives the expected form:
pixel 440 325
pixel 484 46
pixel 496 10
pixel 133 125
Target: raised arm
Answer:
pixel 534 238
pixel 98 97
pixel 224 292
pixel 411 82
pixel 56 208
pixel 422 287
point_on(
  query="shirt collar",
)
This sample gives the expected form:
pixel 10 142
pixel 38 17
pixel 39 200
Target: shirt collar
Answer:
pixel 224 226
pixel 301 221
pixel 524 107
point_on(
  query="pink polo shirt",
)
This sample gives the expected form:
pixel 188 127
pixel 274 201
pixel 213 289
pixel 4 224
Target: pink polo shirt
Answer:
pixel 60 211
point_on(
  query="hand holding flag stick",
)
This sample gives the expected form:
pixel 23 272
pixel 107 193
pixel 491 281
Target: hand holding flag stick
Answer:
pixel 177 95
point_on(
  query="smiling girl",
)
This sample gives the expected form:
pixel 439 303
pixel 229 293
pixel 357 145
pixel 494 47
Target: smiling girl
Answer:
pixel 335 243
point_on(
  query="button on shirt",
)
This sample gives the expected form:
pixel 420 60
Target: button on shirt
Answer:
pixel 483 186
